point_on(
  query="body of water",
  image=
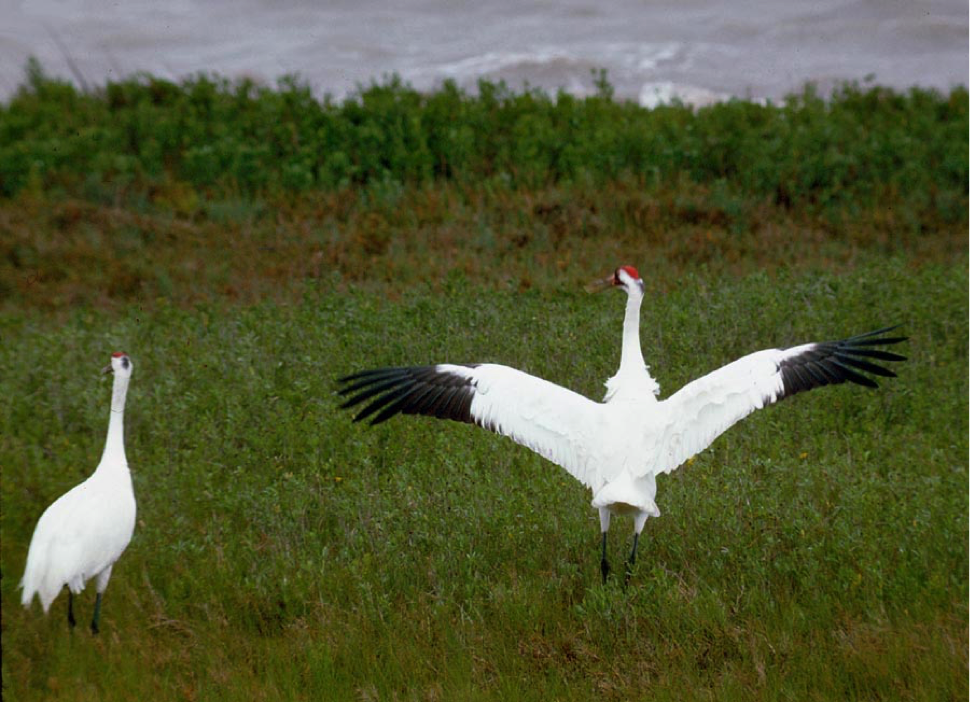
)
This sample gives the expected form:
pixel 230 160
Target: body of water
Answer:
pixel 697 50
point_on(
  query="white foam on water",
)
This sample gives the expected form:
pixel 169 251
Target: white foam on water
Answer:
pixel 657 93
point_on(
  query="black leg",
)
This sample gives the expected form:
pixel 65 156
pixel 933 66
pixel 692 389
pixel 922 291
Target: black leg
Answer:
pixel 97 615
pixel 71 622
pixel 633 558
pixel 604 564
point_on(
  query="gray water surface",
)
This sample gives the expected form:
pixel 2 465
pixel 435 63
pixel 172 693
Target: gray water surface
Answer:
pixel 695 50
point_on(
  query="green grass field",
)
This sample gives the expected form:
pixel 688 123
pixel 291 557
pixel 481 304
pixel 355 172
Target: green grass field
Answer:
pixel 818 550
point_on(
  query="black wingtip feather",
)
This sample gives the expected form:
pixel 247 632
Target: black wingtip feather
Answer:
pixel 873 333
pixel 863 365
pixel 841 361
pixel 424 390
pixel 881 340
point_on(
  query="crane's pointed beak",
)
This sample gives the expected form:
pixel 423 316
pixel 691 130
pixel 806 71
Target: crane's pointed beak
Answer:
pixel 599 284
pixel 107 369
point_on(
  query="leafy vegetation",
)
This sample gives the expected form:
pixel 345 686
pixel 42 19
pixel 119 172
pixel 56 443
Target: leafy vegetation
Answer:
pixel 840 156
pixel 816 551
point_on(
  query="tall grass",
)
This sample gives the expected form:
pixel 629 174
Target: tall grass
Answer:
pixel 818 550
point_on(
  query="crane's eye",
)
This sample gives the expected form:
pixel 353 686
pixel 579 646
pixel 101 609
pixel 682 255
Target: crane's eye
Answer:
pixel 124 362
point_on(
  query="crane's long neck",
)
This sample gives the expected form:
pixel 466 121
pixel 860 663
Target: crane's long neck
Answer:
pixel 114 446
pixel 632 381
pixel 631 357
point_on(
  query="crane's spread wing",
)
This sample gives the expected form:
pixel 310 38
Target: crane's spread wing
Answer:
pixel 550 420
pixel 700 411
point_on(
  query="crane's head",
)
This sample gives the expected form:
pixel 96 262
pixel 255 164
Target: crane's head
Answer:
pixel 120 365
pixel 626 278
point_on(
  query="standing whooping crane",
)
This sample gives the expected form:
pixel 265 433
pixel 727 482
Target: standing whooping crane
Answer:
pixel 617 447
pixel 84 532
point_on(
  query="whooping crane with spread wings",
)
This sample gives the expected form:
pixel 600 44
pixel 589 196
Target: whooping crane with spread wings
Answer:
pixel 617 447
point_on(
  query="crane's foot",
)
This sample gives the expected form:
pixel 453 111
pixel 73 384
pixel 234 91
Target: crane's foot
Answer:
pixel 97 616
pixel 71 622
pixel 628 571
pixel 604 564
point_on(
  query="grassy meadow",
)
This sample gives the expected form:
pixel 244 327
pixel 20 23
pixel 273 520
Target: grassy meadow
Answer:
pixel 247 245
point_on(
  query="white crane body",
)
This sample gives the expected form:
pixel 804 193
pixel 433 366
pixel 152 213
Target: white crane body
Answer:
pixel 73 544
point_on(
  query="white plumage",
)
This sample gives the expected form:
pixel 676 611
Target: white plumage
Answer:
pixel 616 447
pixel 83 533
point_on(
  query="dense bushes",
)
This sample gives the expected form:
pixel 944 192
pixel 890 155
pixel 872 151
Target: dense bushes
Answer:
pixel 859 147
